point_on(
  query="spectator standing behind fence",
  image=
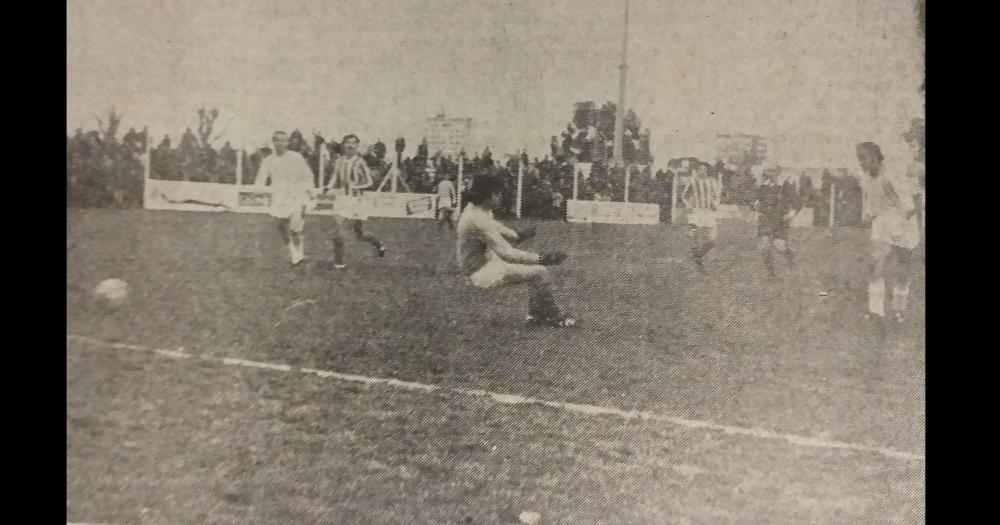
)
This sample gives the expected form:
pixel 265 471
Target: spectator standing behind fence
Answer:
pixel 447 201
pixel 189 155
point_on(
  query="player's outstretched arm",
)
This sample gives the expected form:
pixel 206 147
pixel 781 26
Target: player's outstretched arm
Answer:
pixel 496 242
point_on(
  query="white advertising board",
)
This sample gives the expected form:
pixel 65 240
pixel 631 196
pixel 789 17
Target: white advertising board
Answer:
pixel 207 196
pixel 612 212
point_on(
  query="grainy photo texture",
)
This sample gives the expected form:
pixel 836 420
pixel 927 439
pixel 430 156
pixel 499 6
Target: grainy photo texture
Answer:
pixel 495 261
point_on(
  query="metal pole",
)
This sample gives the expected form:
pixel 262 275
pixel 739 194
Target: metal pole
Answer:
pixel 394 174
pixel 576 182
pixel 833 202
pixel 239 167
pixel 321 166
pixel 673 199
pixel 616 158
pixel 147 160
pixel 520 184
pixel 628 179
pixel 461 178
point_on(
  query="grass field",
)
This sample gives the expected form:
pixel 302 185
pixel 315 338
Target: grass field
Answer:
pixel 155 439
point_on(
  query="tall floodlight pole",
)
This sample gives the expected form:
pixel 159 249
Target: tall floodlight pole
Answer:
pixel 616 157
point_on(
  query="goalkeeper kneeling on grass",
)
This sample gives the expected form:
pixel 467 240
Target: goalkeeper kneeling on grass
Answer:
pixel 488 258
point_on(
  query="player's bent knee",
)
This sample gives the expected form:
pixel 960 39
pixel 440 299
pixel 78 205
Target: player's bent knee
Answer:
pixel 542 273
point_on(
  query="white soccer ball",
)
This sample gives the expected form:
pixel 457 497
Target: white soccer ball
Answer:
pixel 111 292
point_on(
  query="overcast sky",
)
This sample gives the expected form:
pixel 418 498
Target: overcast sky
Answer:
pixel 834 71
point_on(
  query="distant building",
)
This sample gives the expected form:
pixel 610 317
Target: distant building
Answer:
pixel 448 135
pixel 741 149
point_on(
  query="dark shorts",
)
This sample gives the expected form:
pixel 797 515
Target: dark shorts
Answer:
pixel 773 228
pixel 901 254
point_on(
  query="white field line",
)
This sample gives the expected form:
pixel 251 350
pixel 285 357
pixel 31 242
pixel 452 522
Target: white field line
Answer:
pixel 511 399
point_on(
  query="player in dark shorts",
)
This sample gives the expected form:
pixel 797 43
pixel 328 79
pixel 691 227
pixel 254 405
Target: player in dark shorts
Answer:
pixel 776 204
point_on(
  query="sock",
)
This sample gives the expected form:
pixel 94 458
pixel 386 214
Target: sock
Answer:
pixel 542 304
pixel 338 251
pixel 768 261
pixel 291 250
pixel 876 297
pixel 900 297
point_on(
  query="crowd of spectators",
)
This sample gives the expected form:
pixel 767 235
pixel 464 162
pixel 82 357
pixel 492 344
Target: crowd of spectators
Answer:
pixel 103 171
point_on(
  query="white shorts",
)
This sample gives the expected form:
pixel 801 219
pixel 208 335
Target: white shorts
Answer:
pixel 296 219
pixel 702 218
pixel 350 207
pixel 894 229
pixel 497 272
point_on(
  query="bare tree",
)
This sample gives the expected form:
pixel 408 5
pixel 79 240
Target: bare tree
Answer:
pixel 114 120
pixel 206 120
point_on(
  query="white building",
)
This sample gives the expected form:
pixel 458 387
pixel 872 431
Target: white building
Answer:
pixel 448 135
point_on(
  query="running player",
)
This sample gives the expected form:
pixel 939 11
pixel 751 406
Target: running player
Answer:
pixel 291 183
pixel 447 202
pixel 776 204
pixel 917 169
pixel 909 231
pixel 701 199
pixel 890 202
pixel 350 177
pixel 488 259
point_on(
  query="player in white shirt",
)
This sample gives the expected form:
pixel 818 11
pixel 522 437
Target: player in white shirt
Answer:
pixel 701 200
pixel 488 259
pixel 292 186
pixel 891 201
pixel 447 202
pixel 351 176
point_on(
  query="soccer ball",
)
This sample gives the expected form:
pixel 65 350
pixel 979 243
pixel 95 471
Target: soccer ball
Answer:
pixel 111 293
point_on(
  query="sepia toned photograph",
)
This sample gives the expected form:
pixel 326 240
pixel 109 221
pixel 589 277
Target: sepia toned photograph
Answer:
pixel 495 262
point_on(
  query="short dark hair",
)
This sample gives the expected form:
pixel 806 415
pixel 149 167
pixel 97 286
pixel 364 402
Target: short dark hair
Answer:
pixel 349 137
pixel 278 132
pixel 483 187
pixel 873 148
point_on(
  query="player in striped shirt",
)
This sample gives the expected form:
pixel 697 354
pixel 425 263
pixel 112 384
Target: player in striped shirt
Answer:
pixel 701 200
pixel 892 202
pixel 351 176
pixel 447 202
pixel 776 205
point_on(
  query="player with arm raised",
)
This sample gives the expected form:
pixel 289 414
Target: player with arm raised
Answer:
pixel 292 186
pixel 488 259
pixel 701 200
pixel 776 205
pixel 351 176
